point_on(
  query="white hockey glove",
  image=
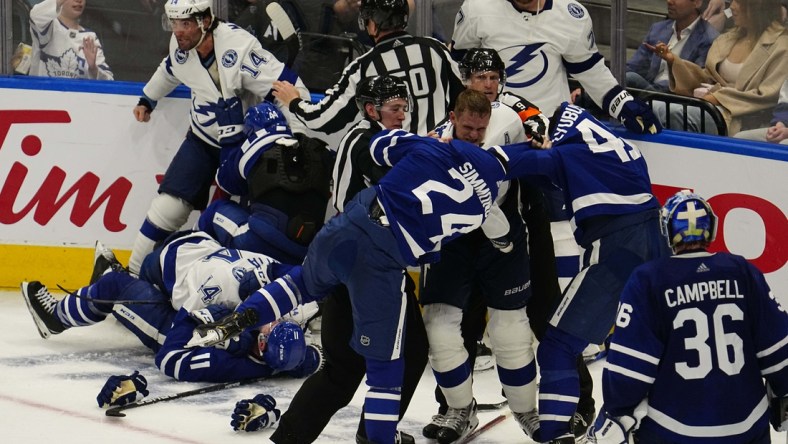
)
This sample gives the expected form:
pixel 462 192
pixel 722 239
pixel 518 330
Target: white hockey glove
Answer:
pixel 254 414
pixel 122 390
pixel 612 429
pixel 633 113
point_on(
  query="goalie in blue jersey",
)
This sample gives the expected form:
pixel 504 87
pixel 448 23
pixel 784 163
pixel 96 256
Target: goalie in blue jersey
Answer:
pixel 696 334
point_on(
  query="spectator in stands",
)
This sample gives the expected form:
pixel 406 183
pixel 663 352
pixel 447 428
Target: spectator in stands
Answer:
pixel 61 46
pixel 778 131
pixel 745 68
pixel 686 34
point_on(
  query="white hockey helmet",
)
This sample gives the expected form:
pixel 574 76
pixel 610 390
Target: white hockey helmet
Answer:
pixel 186 9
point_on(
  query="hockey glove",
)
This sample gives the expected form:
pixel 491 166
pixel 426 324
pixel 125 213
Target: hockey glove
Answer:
pixel 633 113
pixel 251 281
pixel 238 346
pixel 254 414
pixel 612 429
pixel 122 390
pixel 230 120
pixel 312 363
pixel 536 129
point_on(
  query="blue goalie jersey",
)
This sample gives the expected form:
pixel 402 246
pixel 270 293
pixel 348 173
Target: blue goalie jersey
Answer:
pixel 695 335
pixel 428 198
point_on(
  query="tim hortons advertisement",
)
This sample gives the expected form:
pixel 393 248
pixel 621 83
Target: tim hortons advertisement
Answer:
pixel 76 167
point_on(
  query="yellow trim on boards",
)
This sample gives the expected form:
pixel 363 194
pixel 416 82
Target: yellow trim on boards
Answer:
pixel 69 267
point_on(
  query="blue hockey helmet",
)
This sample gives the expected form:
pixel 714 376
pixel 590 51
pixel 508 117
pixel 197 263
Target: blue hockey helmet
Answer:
pixel 267 116
pixel 286 347
pixel 687 217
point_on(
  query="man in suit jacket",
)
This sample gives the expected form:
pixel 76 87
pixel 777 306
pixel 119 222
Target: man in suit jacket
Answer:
pixel 685 32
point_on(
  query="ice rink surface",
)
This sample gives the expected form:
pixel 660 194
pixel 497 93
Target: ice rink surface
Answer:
pixel 48 393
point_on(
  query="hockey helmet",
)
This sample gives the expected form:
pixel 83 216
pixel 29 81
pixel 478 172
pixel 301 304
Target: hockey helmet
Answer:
pixel 285 346
pixel 380 89
pixel 687 217
pixel 186 9
pixel 482 60
pixel 267 116
pixel 387 14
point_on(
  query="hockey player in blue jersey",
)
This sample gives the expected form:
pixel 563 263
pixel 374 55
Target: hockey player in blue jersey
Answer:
pixel 606 185
pixel 189 280
pixel 696 334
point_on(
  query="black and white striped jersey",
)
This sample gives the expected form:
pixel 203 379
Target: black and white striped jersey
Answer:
pixel 354 168
pixel 424 63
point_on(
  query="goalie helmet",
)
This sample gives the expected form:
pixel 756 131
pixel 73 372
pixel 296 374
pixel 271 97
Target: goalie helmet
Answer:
pixel 265 116
pixel 687 217
pixel 380 89
pixel 186 9
pixel 482 60
pixel 285 346
pixel 387 14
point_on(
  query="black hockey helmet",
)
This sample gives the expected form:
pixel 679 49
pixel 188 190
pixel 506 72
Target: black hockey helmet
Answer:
pixel 482 60
pixel 380 89
pixel 387 14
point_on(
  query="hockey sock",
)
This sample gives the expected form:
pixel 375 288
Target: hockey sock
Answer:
pixel 77 312
pixel 559 387
pixel 511 340
pixel 381 405
pixel 277 298
pixel 166 215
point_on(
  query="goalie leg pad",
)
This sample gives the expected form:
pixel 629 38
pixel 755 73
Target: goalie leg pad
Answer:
pixel 511 341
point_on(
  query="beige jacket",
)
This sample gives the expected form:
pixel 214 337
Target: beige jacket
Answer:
pixel 747 103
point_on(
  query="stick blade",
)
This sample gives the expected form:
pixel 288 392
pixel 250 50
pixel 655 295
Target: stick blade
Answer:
pixel 280 19
pixel 116 413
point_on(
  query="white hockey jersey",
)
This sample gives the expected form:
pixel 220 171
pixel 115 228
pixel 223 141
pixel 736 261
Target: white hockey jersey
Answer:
pixel 245 70
pixel 57 49
pixel 197 271
pixel 539 49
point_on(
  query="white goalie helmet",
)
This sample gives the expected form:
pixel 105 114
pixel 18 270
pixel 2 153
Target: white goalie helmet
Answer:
pixel 185 9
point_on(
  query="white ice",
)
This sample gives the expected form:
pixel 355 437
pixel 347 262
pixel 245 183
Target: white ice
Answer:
pixel 48 393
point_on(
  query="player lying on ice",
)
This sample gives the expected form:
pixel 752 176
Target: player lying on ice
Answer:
pixel 189 280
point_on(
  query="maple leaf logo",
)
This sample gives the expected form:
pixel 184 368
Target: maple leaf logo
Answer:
pixel 67 65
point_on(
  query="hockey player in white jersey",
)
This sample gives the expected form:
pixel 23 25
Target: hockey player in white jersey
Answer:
pixel 227 71
pixel 61 46
pixel 696 334
pixel 543 42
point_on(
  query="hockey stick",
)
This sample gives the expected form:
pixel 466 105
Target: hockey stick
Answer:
pixel 490 424
pixel 113 301
pixel 282 22
pixel 492 406
pixel 117 411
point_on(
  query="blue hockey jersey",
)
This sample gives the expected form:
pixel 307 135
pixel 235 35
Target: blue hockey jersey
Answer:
pixel 695 335
pixel 428 198
pixel 599 173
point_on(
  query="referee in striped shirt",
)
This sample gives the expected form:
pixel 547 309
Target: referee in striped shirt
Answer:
pixel 424 63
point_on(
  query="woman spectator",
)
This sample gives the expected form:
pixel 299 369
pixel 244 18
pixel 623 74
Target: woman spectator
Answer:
pixel 745 68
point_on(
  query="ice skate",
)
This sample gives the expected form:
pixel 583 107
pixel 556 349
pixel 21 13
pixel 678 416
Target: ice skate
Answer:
pixel 431 430
pixel 459 423
pixel 581 421
pixel 212 333
pixel 484 358
pixel 528 421
pixel 42 307
pixel 104 260
pixel 401 438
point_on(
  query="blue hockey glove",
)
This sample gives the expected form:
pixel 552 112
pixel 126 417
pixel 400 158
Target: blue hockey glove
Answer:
pixel 312 363
pixel 237 346
pixel 230 120
pixel 122 390
pixel 254 414
pixel 778 413
pixel 609 429
pixel 251 281
pixel 633 113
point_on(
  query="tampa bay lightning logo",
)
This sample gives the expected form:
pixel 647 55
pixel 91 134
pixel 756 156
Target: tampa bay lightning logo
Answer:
pixel 575 10
pixel 229 58
pixel 531 55
pixel 181 56
pixel 239 273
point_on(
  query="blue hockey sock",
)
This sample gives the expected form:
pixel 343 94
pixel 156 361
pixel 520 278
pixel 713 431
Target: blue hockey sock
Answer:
pixel 382 403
